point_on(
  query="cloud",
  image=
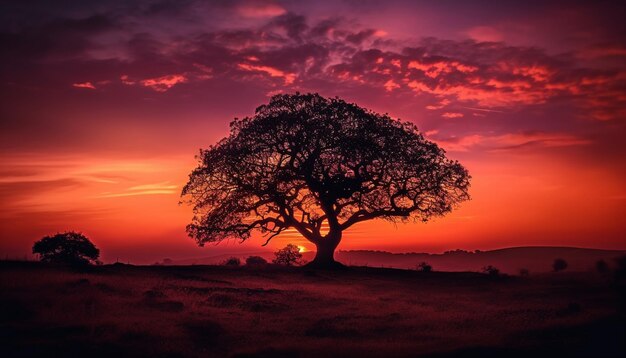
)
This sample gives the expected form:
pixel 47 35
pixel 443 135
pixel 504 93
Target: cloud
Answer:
pixel 507 141
pixel 137 193
pixel 128 59
pixel 163 83
pixel 272 72
pixel 162 188
pixel 491 75
pixel 391 85
pixel 452 115
pixel 157 186
pixel 484 34
pixel 259 9
pixel 87 85
pixel 17 192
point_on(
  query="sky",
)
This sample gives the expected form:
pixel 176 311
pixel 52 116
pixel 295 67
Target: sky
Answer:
pixel 104 106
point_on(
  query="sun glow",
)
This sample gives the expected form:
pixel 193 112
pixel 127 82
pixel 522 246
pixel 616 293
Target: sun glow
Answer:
pixel 301 248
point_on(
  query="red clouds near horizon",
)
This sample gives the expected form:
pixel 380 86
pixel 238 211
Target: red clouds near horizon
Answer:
pixel 105 105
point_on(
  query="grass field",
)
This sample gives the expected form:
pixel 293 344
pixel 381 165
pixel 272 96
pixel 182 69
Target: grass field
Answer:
pixel 197 311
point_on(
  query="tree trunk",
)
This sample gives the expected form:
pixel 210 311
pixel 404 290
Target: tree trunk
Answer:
pixel 325 255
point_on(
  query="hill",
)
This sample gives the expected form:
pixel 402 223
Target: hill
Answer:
pixel 536 259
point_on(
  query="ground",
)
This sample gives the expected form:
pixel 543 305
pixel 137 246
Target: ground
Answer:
pixel 196 311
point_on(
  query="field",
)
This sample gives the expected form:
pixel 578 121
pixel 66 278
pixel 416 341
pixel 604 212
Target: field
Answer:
pixel 194 311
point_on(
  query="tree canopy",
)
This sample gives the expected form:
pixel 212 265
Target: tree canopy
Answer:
pixel 319 166
pixel 67 248
pixel 289 256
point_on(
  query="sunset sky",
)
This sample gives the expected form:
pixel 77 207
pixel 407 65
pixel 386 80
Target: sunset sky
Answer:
pixel 104 105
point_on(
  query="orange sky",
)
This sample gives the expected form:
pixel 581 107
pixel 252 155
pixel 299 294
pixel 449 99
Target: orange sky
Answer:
pixel 103 111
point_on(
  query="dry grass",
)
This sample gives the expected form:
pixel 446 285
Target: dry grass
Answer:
pixel 237 311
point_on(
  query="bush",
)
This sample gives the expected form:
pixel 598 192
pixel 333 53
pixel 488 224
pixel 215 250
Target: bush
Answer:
pixel 602 267
pixel 559 265
pixel 289 256
pixel 424 267
pixel 256 261
pixel 620 270
pixel 232 261
pixel 491 270
pixel 70 247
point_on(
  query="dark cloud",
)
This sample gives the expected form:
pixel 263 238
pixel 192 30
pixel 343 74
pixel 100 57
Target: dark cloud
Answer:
pixel 114 63
pixel 294 25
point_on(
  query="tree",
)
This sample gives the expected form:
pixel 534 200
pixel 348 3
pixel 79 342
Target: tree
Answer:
pixel 602 267
pixel 491 270
pixel 232 261
pixel 424 267
pixel 68 248
pixel 318 166
pixel 559 265
pixel 289 255
pixel 255 261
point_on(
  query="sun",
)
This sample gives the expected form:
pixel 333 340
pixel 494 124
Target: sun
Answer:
pixel 301 248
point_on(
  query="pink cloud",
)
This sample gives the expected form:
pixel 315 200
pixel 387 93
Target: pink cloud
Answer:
pixel 507 141
pixel 164 83
pixel 391 85
pixel 459 144
pixel 87 85
pixel 435 69
pixel 444 102
pixel 289 78
pixel 452 115
pixel 260 9
pixel 484 34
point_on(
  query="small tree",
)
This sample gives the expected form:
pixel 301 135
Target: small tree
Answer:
pixel 602 267
pixel 491 270
pixel 232 261
pixel 289 256
pixel 620 269
pixel 255 261
pixel 559 265
pixel 67 248
pixel 424 267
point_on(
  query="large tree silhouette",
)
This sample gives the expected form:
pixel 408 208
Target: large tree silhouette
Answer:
pixel 318 165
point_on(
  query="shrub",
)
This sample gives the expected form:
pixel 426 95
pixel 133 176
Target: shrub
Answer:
pixel 620 270
pixel 491 270
pixel 232 261
pixel 69 247
pixel 289 256
pixel 602 267
pixel 255 261
pixel 559 265
pixel 424 267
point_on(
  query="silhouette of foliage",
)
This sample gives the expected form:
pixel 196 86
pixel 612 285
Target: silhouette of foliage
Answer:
pixel 289 256
pixel 424 267
pixel 491 270
pixel 232 261
pixel 255 261
pixel 620 269
pixel 66 248
pixel 559 265
pixel 318 165
pixel 602 266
